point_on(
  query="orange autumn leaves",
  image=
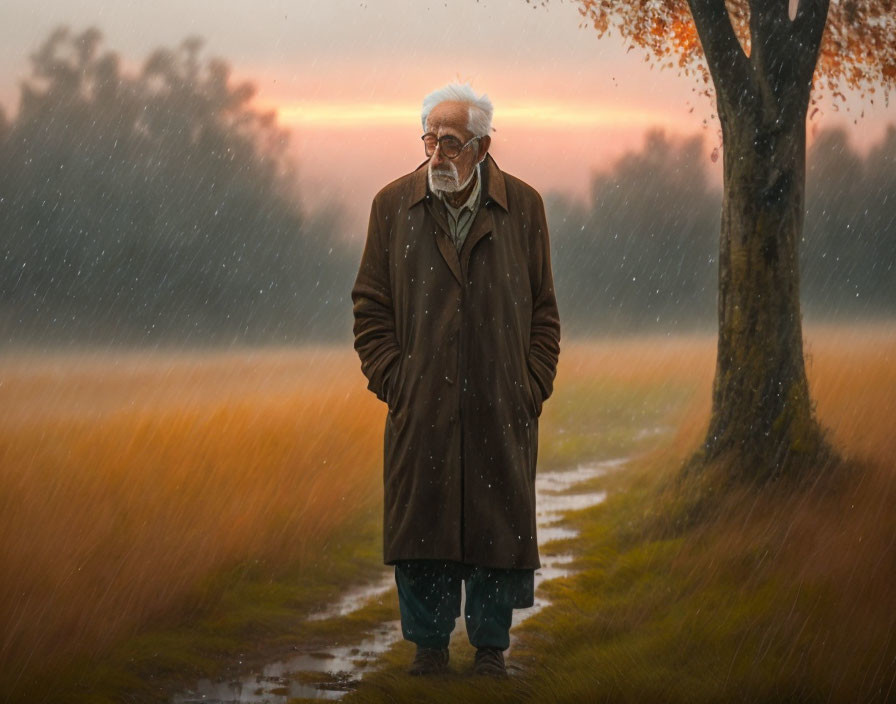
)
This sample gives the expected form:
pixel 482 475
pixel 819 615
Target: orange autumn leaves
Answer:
pixel 858 50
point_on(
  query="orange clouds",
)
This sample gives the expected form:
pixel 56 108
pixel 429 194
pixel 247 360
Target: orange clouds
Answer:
pixel 547 114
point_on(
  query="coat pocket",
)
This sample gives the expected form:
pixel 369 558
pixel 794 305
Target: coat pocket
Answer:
pixel 394 384
pixel 535 400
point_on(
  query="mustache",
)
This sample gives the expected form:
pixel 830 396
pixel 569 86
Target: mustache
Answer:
pixel 444 178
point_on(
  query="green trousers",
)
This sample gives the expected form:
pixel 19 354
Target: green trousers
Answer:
pixel 429 599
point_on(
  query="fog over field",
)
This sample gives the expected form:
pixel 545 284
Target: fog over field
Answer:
pixel 177 180
pixel 165 211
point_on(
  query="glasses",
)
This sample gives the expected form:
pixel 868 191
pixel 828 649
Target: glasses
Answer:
pixel 449 146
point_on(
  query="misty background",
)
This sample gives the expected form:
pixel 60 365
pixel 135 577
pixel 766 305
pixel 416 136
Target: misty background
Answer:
pixel 156 204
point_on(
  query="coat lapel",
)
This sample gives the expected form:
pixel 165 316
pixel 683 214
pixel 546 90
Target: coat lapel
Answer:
pixel 493 192
pixel 443 237
pixel 482 226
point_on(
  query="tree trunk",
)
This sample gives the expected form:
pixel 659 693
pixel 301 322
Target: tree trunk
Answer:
pixel 762 415
pixel 762 420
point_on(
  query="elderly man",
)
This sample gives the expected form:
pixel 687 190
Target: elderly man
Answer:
pixel 457 328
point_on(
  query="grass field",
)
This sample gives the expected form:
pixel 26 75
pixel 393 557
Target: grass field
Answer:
pixel 781 594
pixel 160 513
pixel 135 490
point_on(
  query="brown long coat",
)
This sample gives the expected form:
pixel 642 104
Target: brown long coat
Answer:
pixel 463 348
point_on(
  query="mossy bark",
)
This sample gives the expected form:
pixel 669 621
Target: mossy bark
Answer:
pixel 762 416
pixel 762 412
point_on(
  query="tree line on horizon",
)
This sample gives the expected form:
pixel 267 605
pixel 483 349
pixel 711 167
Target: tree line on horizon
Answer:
pixel 154 206
pixel 642 252
pixel 161 206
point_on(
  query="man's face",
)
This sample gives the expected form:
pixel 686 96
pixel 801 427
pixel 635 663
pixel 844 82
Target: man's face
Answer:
pixel 450 175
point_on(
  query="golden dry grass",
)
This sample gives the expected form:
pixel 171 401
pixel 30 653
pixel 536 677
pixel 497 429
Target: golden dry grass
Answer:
pixel 127 480
pixel 827 552
pixel 852 372
pixel 655 360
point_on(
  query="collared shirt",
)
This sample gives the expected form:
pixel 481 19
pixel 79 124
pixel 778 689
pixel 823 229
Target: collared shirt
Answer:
pixel 461 219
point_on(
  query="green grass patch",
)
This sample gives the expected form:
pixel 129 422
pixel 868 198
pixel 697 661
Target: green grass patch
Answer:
pixel 603 419
pixel 651 617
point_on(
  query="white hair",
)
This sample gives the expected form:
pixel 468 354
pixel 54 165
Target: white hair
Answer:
pixel 480 107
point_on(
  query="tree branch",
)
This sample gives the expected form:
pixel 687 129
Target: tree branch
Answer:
pixel 769 31
pixel 808 29
pixel 728 64
pixel 773 54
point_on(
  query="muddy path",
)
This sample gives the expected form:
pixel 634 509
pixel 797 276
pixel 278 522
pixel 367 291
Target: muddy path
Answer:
pixel 329 672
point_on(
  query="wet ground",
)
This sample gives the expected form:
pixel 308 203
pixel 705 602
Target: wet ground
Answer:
pixel 328 673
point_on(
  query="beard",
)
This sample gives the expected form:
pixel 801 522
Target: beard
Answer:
pixel 446 179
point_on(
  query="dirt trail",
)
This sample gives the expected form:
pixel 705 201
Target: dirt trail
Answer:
pixel 329 673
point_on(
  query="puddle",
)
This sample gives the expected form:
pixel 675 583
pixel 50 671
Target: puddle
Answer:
pixel 355 598
pixel 330 672
pixel 550 508
pixel 325 674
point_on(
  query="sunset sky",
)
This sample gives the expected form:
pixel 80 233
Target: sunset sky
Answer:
pixel 347 77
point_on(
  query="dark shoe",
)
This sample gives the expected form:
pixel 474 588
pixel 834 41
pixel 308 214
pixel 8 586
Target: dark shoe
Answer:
pixel 429 661
pixel 489 662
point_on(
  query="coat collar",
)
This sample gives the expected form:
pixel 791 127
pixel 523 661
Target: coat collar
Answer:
pixel 493 189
